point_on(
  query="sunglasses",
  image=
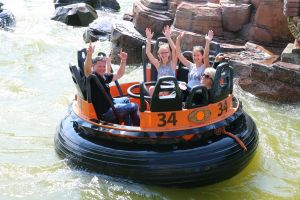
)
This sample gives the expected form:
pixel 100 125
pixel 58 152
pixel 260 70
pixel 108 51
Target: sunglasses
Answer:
pixel 206 76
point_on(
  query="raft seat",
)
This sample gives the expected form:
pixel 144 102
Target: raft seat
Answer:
pixel 222 84
pixel 198 97
pixel 171 102
pixel 81 55
pixel 79 81
pixel 93 80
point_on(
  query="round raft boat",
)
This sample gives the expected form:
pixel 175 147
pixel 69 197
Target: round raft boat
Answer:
pixel 174 145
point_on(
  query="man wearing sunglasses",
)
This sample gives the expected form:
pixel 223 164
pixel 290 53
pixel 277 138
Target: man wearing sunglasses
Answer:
pixel 126 110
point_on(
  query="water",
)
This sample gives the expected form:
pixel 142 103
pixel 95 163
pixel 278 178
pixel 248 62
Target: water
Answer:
pixel 36 88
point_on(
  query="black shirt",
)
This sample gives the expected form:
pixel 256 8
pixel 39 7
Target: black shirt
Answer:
pixel 101 103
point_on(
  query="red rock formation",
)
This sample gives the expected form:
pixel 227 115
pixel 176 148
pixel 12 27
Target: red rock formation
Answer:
pixel 235 16
pixel 199 18
pixel 278 82
pixel 269 24
pixel 153 14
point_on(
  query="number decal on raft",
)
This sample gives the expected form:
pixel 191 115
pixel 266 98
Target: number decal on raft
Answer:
pixel 162 119
pixel 222 108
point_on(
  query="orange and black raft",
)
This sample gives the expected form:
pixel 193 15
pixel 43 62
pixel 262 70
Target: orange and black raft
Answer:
pixel 175 144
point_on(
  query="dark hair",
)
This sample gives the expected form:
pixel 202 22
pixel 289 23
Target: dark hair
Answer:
pixel 99 58
pixel 101 54
pixel 198 48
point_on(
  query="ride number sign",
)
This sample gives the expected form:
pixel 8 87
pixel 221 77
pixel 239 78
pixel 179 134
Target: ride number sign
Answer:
pixel 166 118
pixel 184 118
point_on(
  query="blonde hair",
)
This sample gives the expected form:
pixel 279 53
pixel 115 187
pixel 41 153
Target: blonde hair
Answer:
pixel 161 47
pixel 211 72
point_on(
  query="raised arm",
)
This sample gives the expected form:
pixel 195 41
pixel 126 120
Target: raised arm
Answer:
pixel 121 70
pixel 208 39
pixel 150 56
pixel 88 60
pixel 167 34
pixel 182 59
pixel 108 64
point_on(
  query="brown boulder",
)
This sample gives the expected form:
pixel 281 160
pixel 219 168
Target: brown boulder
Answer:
pixel 125 36
pixel 239 14
pixel 291 7
pixel 255 3
pixel 291 54
pixel 271 91
pixel 214 1
pixel 277 82
pixel 144 17
pixel 189 39
pixel 260 35
pixel 128 17
pixel 199 18
pixel 269 16
pixel 287 73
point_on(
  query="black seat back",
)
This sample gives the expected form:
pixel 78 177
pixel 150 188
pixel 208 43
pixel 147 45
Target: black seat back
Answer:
pixel 223 82
pixel 183 72
pixel 215 49
pixel 198 97
pixel 171 102
pixel 81 55
pixel 79 81
pixel 144 63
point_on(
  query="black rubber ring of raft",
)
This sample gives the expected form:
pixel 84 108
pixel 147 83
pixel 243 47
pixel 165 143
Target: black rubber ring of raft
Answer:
pixel 190 164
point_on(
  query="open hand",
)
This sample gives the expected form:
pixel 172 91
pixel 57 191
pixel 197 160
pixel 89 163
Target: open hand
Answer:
pixel 167 31
pixel 220 57
pixel 209 36
pixel 149 33
pixel 182 85
pixel 91 48
pixel 180 36
pixel 122 55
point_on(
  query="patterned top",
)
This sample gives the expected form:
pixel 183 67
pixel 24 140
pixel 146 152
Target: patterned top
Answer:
pixel 195 74
pixel 165 70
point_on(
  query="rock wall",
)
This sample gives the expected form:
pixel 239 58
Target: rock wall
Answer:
pixel 150 13
pixel 269 23
pixel 260 21
pixel 277 82
pixel 233 21
pixel 258 71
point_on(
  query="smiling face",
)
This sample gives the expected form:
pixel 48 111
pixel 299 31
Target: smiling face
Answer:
pixel 206 80
pixel 164 54
pixel 99 67
pixel 208 77
pixel 198 55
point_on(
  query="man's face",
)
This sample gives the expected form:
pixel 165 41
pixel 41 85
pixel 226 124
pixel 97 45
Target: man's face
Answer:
pixel 99 67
